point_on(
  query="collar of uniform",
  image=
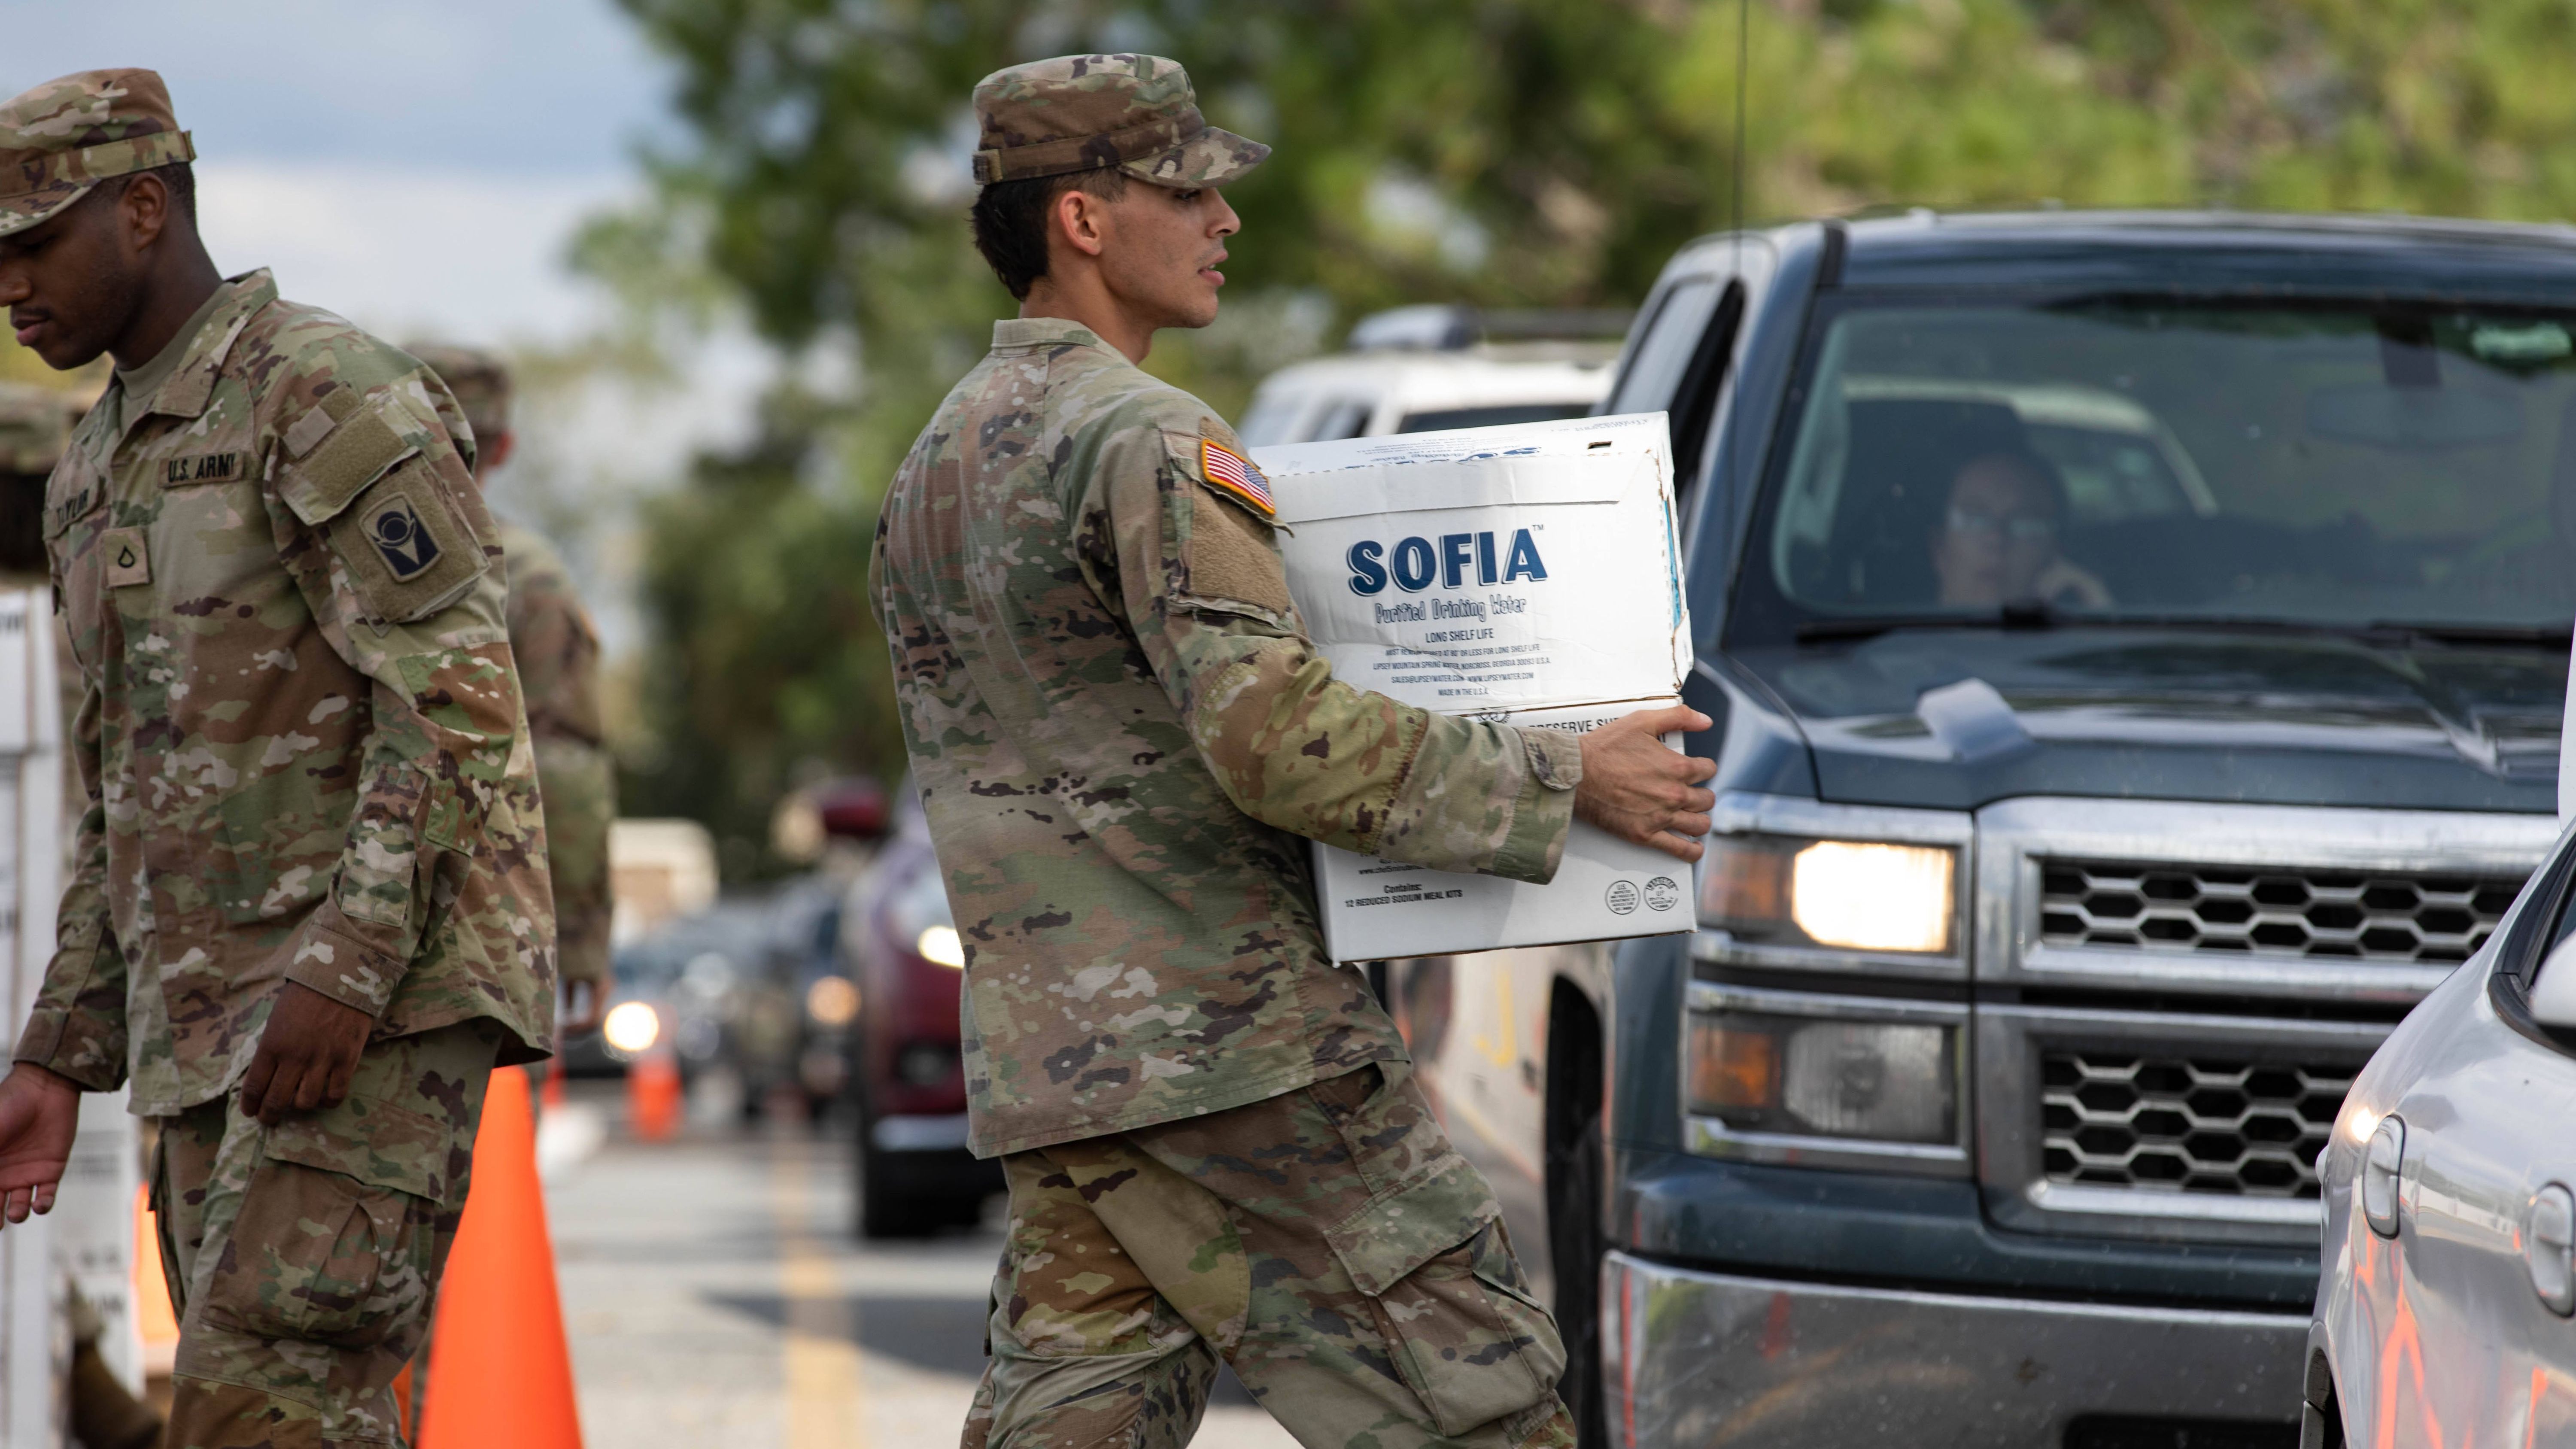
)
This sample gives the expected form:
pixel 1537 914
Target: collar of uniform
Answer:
pixel 1014 333
pixel 189 389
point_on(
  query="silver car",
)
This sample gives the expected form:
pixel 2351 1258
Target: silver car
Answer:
pixel 2442 1318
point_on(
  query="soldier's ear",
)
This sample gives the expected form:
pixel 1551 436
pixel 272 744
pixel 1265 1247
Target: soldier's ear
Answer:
pixel 1080 220
pixel 143 209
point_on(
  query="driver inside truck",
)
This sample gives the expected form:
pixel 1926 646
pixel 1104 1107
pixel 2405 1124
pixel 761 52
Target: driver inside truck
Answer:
pixel 1997 541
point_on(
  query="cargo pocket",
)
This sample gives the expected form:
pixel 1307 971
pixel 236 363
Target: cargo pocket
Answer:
pixel 1457 1316
pixel 336 1240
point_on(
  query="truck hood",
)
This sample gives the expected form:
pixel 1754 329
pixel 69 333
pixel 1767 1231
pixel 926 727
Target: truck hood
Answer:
pixel 1956 718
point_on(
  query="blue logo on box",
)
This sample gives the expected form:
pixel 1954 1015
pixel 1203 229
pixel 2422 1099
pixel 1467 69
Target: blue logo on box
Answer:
pixel 1416 563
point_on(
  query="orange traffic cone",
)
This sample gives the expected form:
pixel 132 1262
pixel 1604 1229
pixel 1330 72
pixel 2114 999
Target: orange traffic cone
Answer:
pixel 153 1314
pixel 653 1096
pixel 500 1373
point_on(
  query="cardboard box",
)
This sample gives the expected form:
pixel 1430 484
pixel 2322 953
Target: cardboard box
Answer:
pixel 1530 575
pixel 1532 566
pixel 1606 889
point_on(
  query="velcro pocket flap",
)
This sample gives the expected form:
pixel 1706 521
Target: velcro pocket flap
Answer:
pixel 319 483
pixel 378 1143
pixel 1401 1230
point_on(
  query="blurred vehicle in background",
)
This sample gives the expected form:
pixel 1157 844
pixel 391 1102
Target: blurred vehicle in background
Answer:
pixel 909 1078
pixel 658 870
pixel 838 824
pixel 691 987
pixel 777 1013
pixel 1422 369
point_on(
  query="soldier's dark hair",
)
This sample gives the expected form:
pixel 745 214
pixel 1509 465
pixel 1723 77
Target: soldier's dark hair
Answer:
pixel 1010 221
pixel 181 180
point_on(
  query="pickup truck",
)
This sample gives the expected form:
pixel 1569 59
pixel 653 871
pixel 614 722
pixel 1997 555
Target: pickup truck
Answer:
pixel 2138 644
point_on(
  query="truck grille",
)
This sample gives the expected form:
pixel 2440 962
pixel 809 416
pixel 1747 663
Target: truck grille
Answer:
pixel 2187 1124
pixel 2371 916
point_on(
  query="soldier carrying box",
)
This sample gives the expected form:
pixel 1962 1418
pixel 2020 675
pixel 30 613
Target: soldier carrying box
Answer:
pixel 1121 731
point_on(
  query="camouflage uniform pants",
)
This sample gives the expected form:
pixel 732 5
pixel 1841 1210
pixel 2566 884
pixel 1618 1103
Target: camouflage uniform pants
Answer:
pixel 1328 1243
pixel 302 1258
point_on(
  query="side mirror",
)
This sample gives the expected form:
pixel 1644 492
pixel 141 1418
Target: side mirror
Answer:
pixel 2553 991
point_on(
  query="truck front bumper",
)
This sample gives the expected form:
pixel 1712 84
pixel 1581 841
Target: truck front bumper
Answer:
pixel 1701 1358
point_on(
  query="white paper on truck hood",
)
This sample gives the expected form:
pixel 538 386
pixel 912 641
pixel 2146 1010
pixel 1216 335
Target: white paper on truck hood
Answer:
pixel 1514 567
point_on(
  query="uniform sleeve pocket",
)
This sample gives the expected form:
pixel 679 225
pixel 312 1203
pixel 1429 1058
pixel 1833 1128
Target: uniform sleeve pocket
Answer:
pixel 337 1235
pixel 382 505
pixel 1229 565
pixel 407 546
pixel 1457 1316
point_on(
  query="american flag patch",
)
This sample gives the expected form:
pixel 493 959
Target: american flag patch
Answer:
pixel 1235 473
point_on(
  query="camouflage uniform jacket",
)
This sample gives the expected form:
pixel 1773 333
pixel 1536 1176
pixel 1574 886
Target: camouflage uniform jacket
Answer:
pixel 558 654
pixel 1121 731
pixel 300 731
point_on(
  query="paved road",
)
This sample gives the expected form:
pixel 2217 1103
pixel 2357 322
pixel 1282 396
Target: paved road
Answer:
pixel 716 1299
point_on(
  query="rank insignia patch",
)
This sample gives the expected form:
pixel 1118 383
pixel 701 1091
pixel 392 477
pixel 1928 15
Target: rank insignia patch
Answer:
pixel 398 535
pixel 128 562
pixel 1235 475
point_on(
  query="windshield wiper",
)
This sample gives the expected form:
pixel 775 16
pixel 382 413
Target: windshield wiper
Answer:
pixel 2524 636
pixel 2385 633
pixel 2032 615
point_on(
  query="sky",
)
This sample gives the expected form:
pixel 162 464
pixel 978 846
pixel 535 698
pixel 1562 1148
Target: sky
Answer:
pixel 406 164
pixel 421 169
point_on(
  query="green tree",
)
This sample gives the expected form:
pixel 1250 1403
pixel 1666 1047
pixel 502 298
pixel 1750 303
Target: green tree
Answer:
pixel 1505 152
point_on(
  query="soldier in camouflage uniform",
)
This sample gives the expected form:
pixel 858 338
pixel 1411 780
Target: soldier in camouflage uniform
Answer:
pixel 1123 739
pixel 558 652
pixel 309 911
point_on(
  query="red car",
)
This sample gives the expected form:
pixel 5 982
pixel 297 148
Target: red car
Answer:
pixel 915 1174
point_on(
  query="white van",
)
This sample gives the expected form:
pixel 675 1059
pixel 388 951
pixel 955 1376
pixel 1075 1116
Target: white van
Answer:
pixel 1426 369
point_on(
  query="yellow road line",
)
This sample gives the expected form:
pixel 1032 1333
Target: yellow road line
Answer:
pixel 826 1398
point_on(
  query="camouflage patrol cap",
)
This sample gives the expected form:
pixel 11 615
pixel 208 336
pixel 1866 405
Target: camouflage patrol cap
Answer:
pixel 480 380
pixel 1091 112
pixel 66 136
pixel 35 423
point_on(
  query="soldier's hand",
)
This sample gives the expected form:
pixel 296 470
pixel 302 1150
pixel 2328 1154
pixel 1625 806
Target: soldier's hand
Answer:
pixel 39 1112
pixel 306 1056
pixel 584 1005
pixel 1638 790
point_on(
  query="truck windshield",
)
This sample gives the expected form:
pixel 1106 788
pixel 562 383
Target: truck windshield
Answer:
pixel 2360 466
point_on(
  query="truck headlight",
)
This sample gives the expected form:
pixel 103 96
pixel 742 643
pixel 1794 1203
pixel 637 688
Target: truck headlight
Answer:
pixel 1805 1076
pixel 1858 894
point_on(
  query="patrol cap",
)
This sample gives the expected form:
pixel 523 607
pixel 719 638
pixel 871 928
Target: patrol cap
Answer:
pixel 35 423
pixel 1091 112
pixel 66 136
pixel 480 380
